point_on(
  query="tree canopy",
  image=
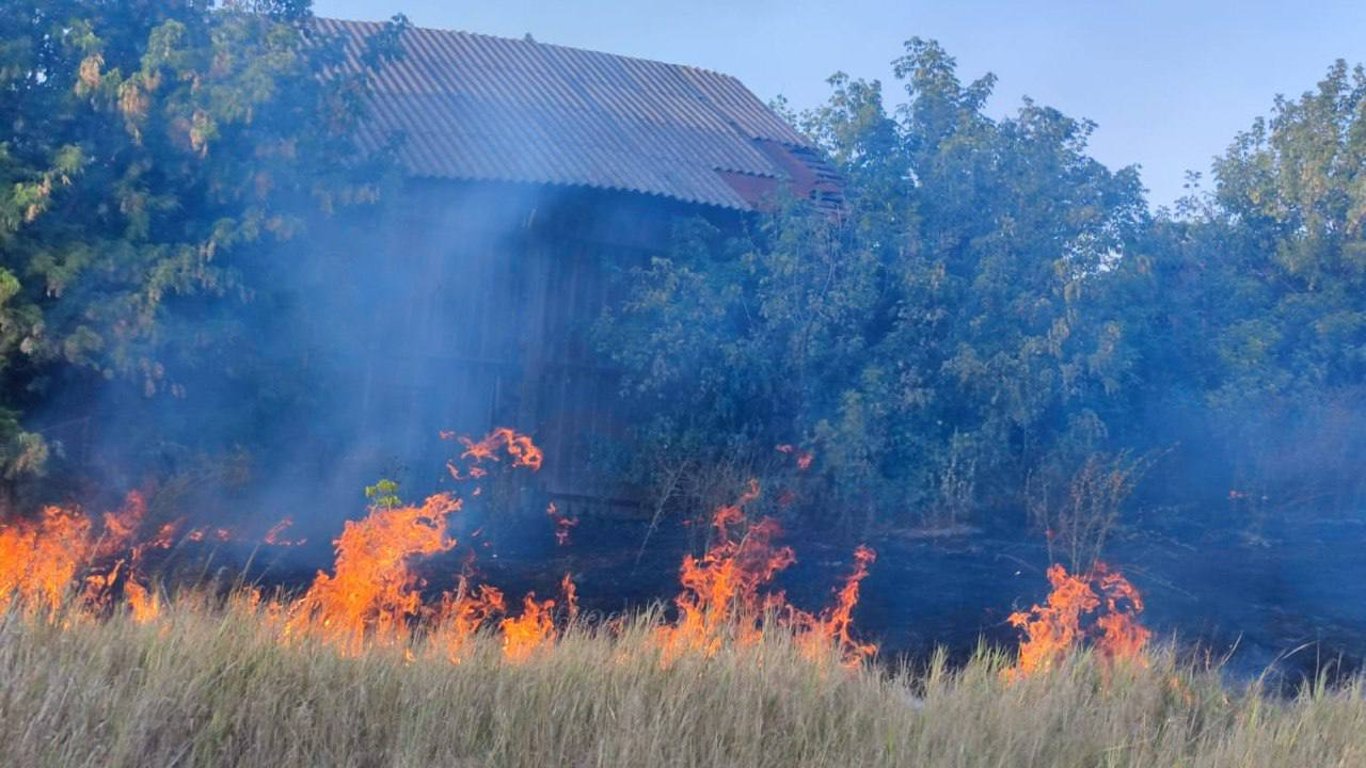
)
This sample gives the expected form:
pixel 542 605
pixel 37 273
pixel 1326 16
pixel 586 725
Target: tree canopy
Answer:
pixel 995 308
pixel 153 151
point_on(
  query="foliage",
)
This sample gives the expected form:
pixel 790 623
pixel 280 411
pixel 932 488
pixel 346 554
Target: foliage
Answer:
pixel 995 313
pixel 153 151
pixel 1253 318
pixel 1079 513
pixel 990 315
pixel 932 343
pixel 383 494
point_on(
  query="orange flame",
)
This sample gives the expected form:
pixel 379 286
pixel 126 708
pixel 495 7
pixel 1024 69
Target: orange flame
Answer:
pixel 535 628
pixel 1122 637
pixel 571 597
pixel 462 613
pixel 519 447
pixel 372 591
pixel 42 561
pixel 275 536
pixel 1069 617
pixel 39 560
pixel 563 523
pixel 721 588
pixel 834 626
pixel 122 525
pixel 372 595
pixel 803 458
pixel 722 598
pixel 144 603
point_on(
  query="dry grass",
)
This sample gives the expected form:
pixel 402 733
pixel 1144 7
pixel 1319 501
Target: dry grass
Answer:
pixel 202 687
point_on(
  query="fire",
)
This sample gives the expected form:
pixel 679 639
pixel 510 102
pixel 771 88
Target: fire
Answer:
pixel 720 594
pixel 722 598
pixel 39 560
pixel 563 523
pixel 1122 637
pixel 571 598
pixel 518 447
pixel 144 603
pixel 275 535
pixel 373 594
pixel 1100 606
pixel 44 561
pixel 373 591
pixel 121 526
pixel 534 629
pixel 461 614
pixel 834 626
pixel 803 458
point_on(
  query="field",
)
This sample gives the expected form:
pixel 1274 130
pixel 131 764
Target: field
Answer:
pixel 208 683
pixel 103 665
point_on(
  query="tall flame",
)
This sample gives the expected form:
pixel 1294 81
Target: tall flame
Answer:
pixel 372 591
pixel 834 626
pixel 1100 606
pixel 39 560
pixel 722 598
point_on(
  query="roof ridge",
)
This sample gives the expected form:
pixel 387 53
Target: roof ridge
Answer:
pixel 521 41
pixel 477 106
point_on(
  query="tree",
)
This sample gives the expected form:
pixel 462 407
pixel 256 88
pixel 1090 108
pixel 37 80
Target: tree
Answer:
pixel 1255 353
pixel 153 152
pixel 936 342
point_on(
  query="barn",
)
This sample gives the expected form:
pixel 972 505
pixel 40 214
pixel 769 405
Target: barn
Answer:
pixel 531 172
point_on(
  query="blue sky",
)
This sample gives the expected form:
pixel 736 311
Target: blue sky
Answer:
pixel 1168 82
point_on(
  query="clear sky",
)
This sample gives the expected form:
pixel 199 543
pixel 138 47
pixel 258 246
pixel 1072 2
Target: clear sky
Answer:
pixel 1168 82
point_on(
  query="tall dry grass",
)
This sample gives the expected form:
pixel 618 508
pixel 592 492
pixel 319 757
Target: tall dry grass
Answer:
pixel 206 686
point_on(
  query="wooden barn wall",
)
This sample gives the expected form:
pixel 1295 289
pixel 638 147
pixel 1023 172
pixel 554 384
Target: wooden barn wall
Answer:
pixel 488 295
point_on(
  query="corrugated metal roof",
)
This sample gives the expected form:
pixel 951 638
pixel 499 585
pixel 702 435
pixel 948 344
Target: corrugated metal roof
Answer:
pixel 475 107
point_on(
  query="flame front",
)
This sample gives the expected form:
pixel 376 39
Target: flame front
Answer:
pixel 462 613
pixel 372 595
pixel 834 627
pixel 534 629
pixel 43 562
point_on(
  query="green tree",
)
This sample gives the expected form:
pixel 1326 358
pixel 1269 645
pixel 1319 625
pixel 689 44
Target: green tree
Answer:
pixel 936 341
pixel 1291 197
pixel 153 152
pixel 1254 311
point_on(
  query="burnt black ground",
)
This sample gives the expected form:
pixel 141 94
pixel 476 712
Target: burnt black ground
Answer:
pixel 1289 597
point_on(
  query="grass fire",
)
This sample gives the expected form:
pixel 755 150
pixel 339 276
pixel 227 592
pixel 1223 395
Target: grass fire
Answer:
pixel 612 387
pixel 103 667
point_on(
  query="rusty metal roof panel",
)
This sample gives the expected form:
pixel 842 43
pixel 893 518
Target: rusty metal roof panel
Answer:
pixel 477 107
